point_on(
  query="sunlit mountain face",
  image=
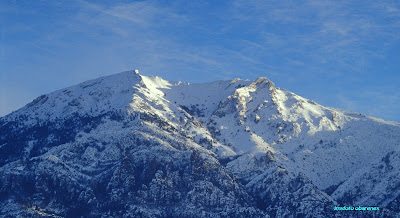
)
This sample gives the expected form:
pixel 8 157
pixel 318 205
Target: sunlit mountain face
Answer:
pixel 129 145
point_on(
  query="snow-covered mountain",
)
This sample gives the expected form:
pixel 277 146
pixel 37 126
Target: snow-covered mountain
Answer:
pixel 130 145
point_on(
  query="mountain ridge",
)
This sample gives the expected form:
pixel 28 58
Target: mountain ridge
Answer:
pixel 275 147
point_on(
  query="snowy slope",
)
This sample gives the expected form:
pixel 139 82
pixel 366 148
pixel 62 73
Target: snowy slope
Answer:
pixel 251 117
pixel 133 135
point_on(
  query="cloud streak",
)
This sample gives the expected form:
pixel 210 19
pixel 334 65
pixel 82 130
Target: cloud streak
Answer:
pixel 314 48
pixel 335 30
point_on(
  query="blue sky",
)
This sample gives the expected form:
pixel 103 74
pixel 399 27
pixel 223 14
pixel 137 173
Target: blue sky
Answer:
pixel 343 54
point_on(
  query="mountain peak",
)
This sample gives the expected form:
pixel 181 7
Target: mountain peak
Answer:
pixel 262 80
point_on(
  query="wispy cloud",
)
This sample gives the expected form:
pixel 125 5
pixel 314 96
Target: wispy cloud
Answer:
pixel 306 46
pixel 381 102
pixel 139 15
pixel 337 31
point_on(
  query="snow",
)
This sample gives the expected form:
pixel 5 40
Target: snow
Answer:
pixel 91 97
pixel 284 121
pixel 227 119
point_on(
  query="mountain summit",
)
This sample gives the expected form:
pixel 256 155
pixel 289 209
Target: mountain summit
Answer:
pixel 129 145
